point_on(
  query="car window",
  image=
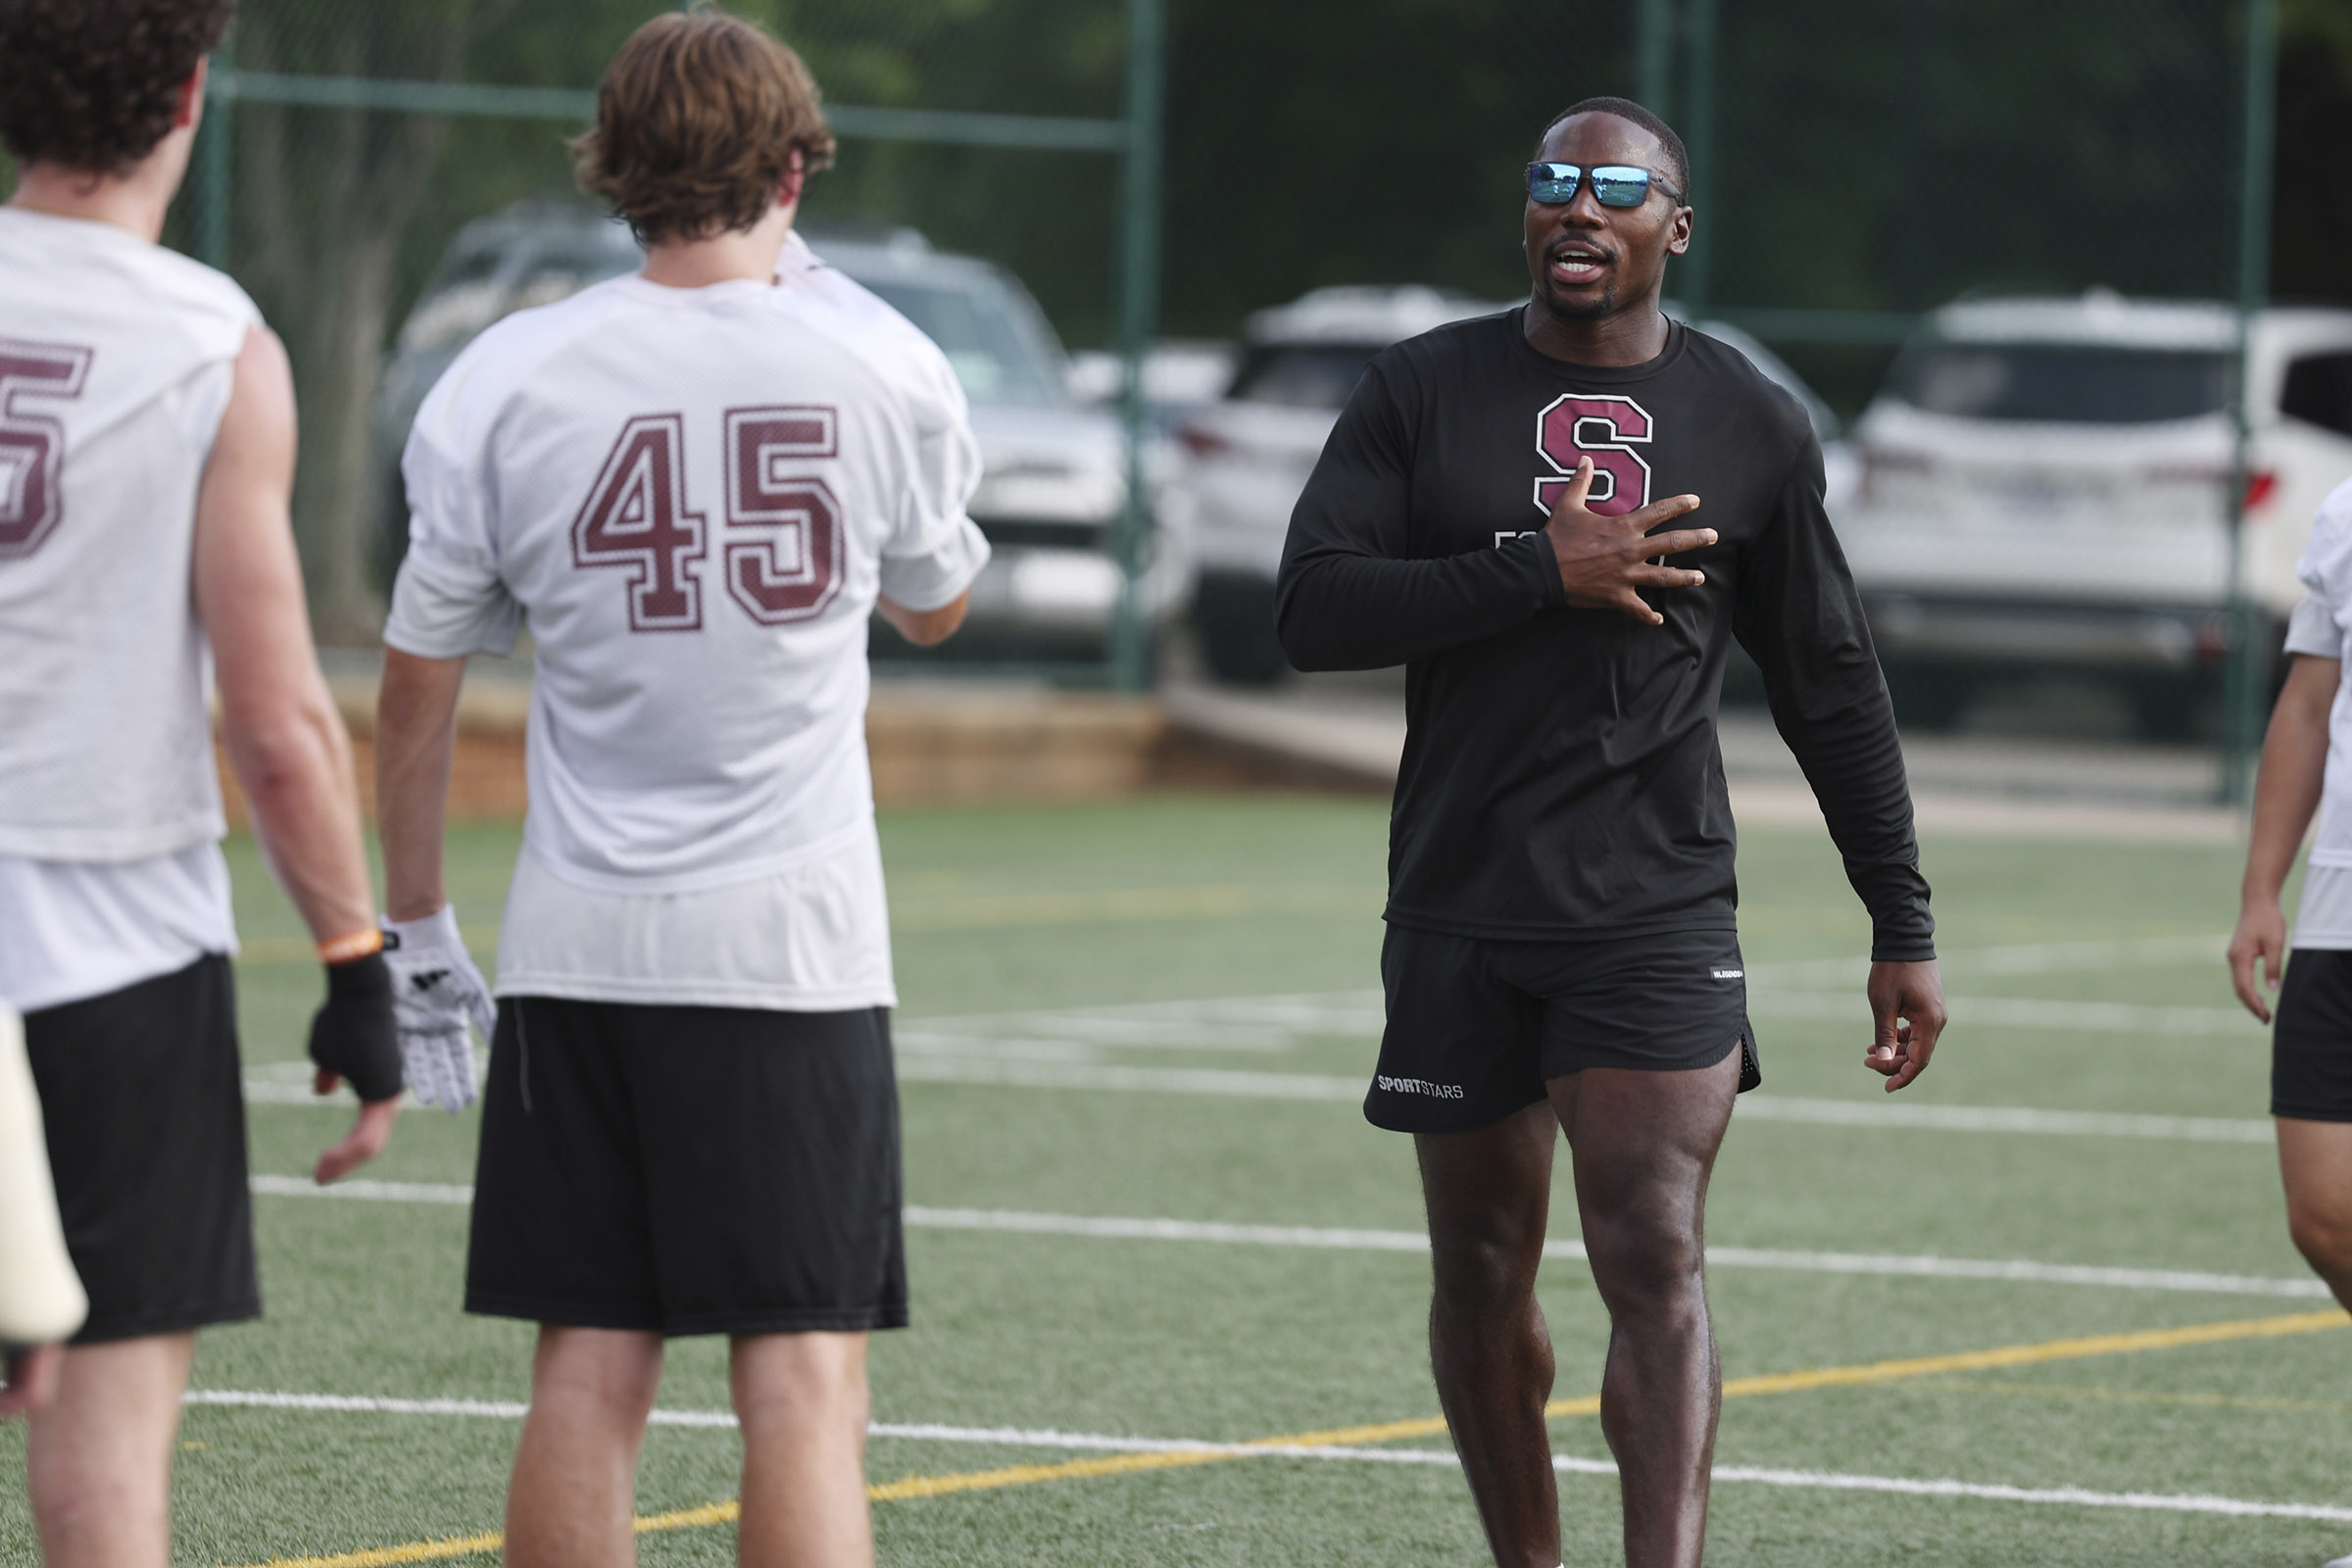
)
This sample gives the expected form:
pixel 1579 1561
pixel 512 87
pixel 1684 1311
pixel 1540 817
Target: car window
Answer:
pixel 2068 383
pixel 1301 375
pixel 2318 391
pixel 994 355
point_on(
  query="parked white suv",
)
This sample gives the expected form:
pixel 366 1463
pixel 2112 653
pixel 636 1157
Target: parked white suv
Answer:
pixel 1250 455
pixel 2045 484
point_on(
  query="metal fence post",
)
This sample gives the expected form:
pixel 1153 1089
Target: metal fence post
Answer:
pixel 1139 300
pixel 1699 139
pixel 2242 686
pixel 213 175
pixel 1653 56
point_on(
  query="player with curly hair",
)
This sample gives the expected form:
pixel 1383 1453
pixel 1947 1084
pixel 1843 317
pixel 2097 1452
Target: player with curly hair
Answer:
pixel 146 463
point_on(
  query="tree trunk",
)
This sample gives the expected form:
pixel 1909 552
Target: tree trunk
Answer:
pixel 322 196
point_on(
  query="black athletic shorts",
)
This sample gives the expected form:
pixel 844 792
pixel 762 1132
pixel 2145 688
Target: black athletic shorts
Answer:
pixel 2311 1043
pixel 1477 1027
pixel 689 1170
pixel 145 1115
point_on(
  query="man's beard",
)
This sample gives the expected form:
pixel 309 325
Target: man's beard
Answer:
pixel 1580 309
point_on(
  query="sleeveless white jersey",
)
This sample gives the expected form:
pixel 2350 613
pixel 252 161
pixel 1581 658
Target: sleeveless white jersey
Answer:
pixel 116 359
pixel 2323 627
pixel 692 496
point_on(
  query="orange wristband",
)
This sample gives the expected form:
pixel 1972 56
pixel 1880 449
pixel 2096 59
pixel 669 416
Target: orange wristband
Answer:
pixel 357 944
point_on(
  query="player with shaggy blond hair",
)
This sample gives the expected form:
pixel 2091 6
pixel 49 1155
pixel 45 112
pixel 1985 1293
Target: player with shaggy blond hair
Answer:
pixel 696 485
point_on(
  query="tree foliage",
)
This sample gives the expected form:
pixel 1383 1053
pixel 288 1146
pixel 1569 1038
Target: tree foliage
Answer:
pixel 1866 154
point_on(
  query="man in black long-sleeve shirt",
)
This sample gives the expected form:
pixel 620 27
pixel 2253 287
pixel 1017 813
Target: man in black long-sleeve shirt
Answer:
pixel 1562 944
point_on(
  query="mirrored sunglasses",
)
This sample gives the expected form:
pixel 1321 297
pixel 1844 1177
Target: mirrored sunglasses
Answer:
pixel 1613 185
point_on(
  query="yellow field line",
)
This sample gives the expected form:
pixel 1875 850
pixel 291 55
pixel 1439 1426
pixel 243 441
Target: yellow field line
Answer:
pixel 1119 1464
pixel 2189 1399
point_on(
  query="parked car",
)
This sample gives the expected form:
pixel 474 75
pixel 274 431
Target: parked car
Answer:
pixel 531 252
pixel 1054 482
pixel 1251 453
pixel 1181 377
pixel 2045 484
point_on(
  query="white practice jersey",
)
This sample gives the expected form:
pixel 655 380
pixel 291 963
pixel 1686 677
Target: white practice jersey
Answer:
pixel 116 358
pixel 115 362
pixel 692 498
pixel 2323 627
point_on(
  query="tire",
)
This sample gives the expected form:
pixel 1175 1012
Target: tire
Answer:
pixel 1233 616
pixel 2166 710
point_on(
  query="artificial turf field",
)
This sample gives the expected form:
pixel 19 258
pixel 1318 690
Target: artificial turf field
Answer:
pixel 1160 1012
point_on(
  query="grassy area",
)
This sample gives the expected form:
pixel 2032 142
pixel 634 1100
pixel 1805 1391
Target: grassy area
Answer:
pixel 1055 1072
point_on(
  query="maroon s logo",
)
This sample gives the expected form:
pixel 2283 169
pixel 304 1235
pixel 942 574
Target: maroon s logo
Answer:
pixel 1605 430
pixel 32 446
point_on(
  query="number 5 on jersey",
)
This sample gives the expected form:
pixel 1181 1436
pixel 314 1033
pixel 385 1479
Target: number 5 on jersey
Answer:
pixel 636 519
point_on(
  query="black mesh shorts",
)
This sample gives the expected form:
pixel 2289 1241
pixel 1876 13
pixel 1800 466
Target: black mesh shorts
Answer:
pixel 2311 1043
pixel 145 1113
pixel 689 1170
pixel 1476 1026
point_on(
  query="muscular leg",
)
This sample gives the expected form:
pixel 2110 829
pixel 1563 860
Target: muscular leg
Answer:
pixel 801 1399
pixel 2315 1157
pixel 98 1461
pixel 573 1497
pixel 1487 1193
pixel 1644 1143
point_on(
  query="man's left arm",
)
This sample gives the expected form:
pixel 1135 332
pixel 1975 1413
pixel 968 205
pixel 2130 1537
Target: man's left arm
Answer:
pixel 1798 615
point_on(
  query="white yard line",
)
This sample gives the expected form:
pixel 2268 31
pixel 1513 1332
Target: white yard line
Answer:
pixel 1104 1227
pixel 1088 1441
pixel 363 1190
pixel 1890 1112
pixel 1058 1064
pixel 2024 1012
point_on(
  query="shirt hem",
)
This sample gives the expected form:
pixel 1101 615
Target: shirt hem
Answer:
pixel 153 967
pixel 2319 942
pixel 635 885
pixel 110 849
pixel 696 994
pixel 1525 931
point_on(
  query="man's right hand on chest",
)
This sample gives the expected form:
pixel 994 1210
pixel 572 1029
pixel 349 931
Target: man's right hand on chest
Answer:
pixel 1605 562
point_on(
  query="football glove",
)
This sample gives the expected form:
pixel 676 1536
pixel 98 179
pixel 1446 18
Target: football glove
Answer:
pixel 437 993
pixel 352 1033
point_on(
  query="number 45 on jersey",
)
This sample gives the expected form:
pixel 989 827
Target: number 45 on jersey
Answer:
pixel 783 553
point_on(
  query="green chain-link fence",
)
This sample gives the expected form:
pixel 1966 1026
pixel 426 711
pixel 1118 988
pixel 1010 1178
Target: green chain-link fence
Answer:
pixel 2058 496
pixel 350 142
pixel 1860 165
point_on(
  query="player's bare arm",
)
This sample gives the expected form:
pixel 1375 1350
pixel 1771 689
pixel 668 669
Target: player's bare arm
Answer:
pixel 286 742
pixel 416 737
pixel 2295 765
pixel 1606 561
pixel 926 629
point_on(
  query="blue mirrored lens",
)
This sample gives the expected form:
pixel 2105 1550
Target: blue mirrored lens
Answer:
pixel 1617 186
pixel 1553 184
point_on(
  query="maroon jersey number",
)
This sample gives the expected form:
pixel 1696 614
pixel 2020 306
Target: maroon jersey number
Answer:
pixel 1605 430
pixel 32 446
pixel 636 517
pixel 793 571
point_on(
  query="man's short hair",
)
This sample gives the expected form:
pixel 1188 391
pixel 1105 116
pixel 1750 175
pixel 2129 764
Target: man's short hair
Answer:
pixel 1678 158
pixel 90 84
pixel 697 121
